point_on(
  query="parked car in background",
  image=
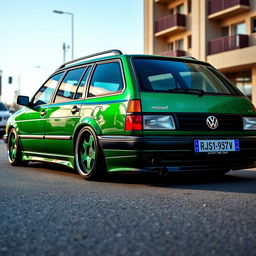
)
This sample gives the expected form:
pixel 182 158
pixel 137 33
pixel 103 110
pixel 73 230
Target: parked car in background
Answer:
pixel 4 115
pixel 135 113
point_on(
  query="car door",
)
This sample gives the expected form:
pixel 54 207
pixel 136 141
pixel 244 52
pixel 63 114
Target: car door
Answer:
pixel 103 101
pixel 31 122
pixel 64 112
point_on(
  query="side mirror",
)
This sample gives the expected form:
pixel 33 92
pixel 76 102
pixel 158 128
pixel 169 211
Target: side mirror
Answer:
pixel 23 101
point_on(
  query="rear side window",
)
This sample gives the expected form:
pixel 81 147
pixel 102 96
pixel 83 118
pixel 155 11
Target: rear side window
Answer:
pixel 69 85
pixel 43 96
pixel 107 79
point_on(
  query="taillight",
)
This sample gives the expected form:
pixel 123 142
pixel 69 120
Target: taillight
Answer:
pixel 134 106
pixel 133 123
pixel 138 121
pixel 133 120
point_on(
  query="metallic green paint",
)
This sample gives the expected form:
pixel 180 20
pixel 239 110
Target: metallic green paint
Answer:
pixel 106 116
pixel 191 103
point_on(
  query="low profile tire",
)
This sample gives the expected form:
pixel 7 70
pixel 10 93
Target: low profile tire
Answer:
pixel 90 162
pixel 14 149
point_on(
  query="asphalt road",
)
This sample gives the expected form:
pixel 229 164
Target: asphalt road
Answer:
pixel 48 210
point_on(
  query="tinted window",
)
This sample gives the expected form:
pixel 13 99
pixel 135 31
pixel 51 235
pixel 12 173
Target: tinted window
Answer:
pixel 79 92
pixel 107 79
pixel 45 93
pixel 69 85
pixel 2 107
pixel 173 76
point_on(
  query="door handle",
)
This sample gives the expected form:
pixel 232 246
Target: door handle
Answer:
pixel 75 109
pixel 43 113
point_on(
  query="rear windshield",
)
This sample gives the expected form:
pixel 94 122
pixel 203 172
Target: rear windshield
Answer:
pixel 3 107
pixel 162 75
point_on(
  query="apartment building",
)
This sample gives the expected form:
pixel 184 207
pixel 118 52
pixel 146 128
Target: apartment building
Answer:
pixel 221 32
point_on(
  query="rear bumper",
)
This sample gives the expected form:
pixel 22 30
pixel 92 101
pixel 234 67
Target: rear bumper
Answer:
pixel 152 153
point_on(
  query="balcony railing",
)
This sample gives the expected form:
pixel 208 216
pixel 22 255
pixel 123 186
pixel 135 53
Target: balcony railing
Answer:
pixel 174 53
pixel 170 21
pixel 219 5
pixel 228 43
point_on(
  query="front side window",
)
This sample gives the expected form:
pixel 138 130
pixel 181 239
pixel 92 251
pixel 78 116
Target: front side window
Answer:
pixel 107 79
pixel 45 93
pixel 180 77
pixel 69 85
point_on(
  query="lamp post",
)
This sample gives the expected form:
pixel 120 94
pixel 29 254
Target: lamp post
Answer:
pixel 72 29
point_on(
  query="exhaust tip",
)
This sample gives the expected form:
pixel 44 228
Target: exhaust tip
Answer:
pixel 155 161
pixel 163 172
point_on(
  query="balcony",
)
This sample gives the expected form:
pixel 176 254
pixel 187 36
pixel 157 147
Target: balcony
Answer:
pixel 170 24
pixel 228 43
pixel 219 9
pixel 174 53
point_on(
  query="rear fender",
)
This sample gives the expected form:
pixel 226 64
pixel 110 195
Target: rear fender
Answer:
pixel 87 121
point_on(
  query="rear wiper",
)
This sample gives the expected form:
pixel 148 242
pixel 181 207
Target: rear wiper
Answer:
pixel 188 90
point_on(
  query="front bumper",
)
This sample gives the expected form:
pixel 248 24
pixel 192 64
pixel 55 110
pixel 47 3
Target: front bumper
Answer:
pixel 176 153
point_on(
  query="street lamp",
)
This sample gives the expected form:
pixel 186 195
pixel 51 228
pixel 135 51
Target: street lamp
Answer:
pixel 72 29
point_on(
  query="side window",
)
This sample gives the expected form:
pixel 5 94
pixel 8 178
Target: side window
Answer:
pixel 45 93
pixel 107 79
pixel 80 89
pixel 69 85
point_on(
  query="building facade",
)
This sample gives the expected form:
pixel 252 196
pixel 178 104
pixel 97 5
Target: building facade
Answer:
pixel 221 32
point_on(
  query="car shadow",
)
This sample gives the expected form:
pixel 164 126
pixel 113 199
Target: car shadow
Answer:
pixel 242 181
pixel 52 167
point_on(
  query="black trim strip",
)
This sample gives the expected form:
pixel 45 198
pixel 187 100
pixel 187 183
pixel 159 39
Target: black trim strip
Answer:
pixel 57 137
pixel 47 137
pixel 31 137
pixel 178 143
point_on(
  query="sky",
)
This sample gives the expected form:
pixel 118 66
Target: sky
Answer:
pixel 32 36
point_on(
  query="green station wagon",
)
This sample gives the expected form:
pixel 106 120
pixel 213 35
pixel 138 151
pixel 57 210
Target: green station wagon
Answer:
pixel 135 113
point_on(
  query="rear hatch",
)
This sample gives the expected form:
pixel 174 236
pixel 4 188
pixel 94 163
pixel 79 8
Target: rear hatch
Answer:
pixel 189 91
pixel 192 103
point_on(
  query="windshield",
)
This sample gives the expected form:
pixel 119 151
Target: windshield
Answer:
pixel 180 77
pixel 2 107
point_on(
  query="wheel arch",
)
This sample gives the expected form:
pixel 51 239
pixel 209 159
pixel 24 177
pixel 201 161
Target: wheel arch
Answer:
pixel 86 122
pixel 13 126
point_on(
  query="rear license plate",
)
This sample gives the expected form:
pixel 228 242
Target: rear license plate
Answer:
pixel 208 146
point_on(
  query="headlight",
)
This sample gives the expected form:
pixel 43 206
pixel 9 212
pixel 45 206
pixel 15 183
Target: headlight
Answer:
pixel 249 123
pixel 6 117
pixel 158 122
